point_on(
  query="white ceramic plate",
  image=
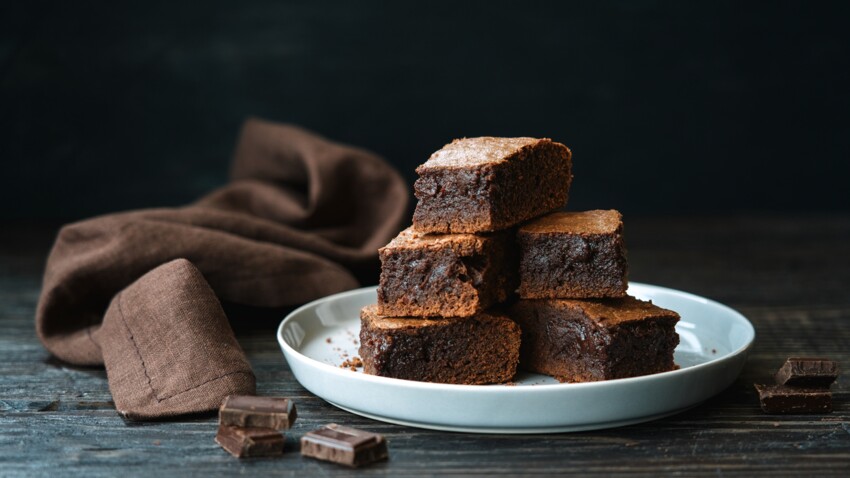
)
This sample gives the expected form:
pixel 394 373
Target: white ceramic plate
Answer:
pixel 319 336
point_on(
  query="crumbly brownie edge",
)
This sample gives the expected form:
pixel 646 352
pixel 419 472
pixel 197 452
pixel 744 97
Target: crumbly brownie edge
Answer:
pixel 500 278
pixel 642 348
pixel 559 350
pixel 453 200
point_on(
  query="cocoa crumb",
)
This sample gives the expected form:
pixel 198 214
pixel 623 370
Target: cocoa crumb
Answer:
pixel 328 340
pixel 352 364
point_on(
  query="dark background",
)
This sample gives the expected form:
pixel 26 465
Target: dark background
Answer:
pixel 669 107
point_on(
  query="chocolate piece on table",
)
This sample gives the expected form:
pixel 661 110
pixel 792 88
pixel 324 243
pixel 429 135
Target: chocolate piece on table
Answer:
pixel 590 340
pixel 807 372
pixel 574 255
pixel 781 399
pixel 246 442
pixel 344 445
pixel 450 275
pixel 264 412
pixel 488 184
pixel 473 350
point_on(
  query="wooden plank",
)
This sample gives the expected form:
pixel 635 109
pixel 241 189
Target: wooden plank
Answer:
pixel 56 418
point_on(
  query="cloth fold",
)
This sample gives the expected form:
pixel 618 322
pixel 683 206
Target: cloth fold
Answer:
pixel 302 217
pixel 167 346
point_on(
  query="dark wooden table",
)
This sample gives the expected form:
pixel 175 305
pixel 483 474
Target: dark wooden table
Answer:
pixel 790 275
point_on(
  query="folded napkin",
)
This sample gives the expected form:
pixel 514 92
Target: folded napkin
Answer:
pixel 138 292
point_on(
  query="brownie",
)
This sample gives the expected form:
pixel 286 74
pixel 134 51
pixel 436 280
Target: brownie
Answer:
pixel 488 184
pixel 573 255
pixel 475 350
pixel 445 275
pixel 590 340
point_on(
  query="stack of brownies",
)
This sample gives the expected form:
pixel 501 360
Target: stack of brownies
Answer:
pixel 484 231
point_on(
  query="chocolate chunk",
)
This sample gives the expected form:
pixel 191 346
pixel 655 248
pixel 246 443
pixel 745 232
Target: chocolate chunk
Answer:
pixel 807 372
pixel 344 445
pixel 778 399
pixel 246 442
pixel 263 412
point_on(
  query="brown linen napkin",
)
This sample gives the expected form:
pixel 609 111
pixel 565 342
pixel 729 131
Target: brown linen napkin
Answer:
pixel 302 217
pixel 167 345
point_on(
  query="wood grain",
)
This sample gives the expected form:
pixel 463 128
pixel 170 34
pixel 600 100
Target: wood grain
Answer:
pixel 789 275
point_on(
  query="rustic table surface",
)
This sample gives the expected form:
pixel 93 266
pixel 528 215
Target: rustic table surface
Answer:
pixel 790 275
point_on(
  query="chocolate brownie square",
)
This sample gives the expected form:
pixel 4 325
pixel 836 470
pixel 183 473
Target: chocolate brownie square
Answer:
pixel 473 350
pixel 591 340
pixel 488 184
pixel 573 255
pixel 445 275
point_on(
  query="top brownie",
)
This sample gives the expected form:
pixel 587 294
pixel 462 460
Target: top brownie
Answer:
pixel 488 184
